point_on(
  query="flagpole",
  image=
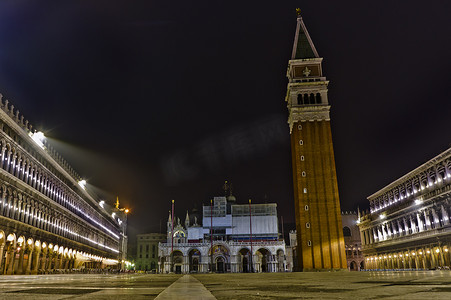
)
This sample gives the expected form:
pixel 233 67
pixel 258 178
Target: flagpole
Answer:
pixel 211 235
pixel 172 234
pixel 250 230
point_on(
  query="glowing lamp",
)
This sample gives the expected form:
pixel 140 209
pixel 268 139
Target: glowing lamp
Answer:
pixel 38 138
pixel 82 183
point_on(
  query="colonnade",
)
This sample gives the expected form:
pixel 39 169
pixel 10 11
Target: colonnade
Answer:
pixel 21 255
pixel 420 258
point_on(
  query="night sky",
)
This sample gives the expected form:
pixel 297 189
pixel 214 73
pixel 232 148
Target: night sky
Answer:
pixel 161 100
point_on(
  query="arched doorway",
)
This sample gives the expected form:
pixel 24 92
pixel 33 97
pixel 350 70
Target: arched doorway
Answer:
pixel 262 259
pixel 177 262
pixel 353 266
pixel 245 260
pixel 194 258
pixel 220 251
pixel 362 265
pixel 220 267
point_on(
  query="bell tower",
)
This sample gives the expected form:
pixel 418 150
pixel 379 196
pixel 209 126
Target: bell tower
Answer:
pixel 317 206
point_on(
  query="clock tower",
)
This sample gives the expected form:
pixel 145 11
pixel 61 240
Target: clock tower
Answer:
pixel 320 243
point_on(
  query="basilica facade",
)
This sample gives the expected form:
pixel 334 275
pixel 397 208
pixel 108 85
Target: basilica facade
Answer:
pixel 408 225
pixel 228 237
pixel 49 221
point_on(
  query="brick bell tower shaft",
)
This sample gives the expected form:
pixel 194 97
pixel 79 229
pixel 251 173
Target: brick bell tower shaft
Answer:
pixel 317 206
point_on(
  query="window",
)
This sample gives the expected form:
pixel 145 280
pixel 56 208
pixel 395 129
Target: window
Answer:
pixel 307 225
pixel 140 248
pixel 299 127
pixel 346 231
pixel 299 99
pixel 318 98
pixel 302 157
pixel 303 174
pixel 305 190
pixel 147 255
pixel 153 248
pixel 301 142
pixel 147 248
pixel 309 243
pixel 306 207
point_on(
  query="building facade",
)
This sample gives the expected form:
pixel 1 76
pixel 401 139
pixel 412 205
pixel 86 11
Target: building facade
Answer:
pixel 354 256
pixel 48 220
pixel 317 207
pixel 408 225
pixel 231 238
pixel 147 251
pixel 353 244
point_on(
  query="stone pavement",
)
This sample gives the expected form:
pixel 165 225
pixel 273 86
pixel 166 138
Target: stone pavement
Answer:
pixel 187 288
pixel 262 286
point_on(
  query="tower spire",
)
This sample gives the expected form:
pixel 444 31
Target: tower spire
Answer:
pixel 303 46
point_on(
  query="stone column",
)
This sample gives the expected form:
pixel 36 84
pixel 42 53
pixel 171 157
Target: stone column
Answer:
pixel 412 224
pixel 444 215
pixel 36 256
pixel 420 223
pixel 436 218
pixel 185 265
pixel 2 267
pixel 29 260
pixel 11 255
pixel 427 220
pixel 20 265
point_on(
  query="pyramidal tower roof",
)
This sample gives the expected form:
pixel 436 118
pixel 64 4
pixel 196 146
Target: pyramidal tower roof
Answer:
pixel 303 45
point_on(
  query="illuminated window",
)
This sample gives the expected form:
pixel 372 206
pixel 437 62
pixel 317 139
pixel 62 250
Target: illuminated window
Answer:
pixel 307 225
pixel 309 243
pixel 306 207
pixel 301 142
pixel 302 157
pixel 303 174
pixel 305 190
pixel 300 127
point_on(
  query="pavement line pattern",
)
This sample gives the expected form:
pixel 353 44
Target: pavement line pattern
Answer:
pixel 186 287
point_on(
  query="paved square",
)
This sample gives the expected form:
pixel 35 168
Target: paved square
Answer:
pixel 318 285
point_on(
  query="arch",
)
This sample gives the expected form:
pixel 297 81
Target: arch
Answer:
pixel 346 231
pixel 194 256
pixel 353 266
pixel 262 257
pixel 318 98
pixel 300 102
pixel 177 261
pixel 245 260
pixel 220 262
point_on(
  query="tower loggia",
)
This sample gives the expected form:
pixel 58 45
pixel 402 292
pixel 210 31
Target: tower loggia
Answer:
pixel 317 206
